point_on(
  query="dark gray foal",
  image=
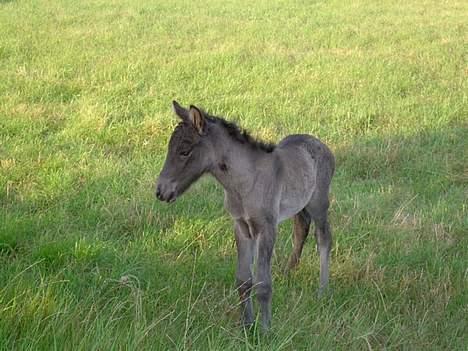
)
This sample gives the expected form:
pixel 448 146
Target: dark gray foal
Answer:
pixel 264 184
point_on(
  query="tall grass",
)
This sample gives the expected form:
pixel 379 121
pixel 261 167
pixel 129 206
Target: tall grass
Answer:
pixel 89 260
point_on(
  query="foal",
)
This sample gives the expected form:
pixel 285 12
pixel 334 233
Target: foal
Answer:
pixel 264 184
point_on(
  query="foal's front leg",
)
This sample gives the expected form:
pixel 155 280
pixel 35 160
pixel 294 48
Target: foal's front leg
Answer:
pixel 266 242
pixel 245 255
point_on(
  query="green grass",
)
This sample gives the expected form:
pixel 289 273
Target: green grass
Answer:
pixel 90 261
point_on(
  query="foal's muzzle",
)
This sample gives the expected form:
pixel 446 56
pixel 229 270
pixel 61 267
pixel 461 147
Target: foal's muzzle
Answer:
pixel 166 191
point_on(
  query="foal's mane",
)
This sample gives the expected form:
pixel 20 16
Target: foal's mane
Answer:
pixel 239 134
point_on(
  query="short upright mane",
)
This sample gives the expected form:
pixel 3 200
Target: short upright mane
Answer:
pixel 240 135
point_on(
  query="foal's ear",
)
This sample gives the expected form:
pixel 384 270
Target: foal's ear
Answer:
pixel 180 111
pixel 197 119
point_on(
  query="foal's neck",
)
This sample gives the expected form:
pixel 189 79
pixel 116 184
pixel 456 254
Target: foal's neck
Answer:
pixel 235 164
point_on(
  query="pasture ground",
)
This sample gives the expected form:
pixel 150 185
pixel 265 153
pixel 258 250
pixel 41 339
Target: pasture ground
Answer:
pixel 89 260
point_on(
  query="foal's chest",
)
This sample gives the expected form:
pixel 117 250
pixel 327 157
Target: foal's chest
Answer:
pixel 233 205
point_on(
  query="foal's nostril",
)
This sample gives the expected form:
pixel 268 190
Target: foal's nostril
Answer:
pixel 171 197
pixel 166 192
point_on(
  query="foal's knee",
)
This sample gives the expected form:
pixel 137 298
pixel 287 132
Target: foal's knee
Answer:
pixel 244 287
pixel 263 292
pixel 325 239
pixel 323 235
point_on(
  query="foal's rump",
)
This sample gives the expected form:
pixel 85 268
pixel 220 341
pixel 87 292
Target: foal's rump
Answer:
pixel 307 169
pixel 324 161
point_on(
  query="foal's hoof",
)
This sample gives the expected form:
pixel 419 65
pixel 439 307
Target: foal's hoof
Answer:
pixel 255 328
pixel 248 326
pixel 266 329
pixel 286 271
pixel 324 291
pixel 249 330
pixel 290 268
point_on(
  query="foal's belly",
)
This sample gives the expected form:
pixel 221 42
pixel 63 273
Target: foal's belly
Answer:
pixel 292 206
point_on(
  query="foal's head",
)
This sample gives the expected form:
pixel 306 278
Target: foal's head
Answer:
pixel 188 154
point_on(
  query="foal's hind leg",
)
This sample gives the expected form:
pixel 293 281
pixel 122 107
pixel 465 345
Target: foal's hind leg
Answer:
pixel 324 243
pixel 301 230
pixel 318 210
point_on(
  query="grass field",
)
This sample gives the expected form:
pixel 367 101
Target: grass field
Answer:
pixel 89 260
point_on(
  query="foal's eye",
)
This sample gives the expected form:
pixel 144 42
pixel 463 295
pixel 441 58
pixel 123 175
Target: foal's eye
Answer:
pixel 185 153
